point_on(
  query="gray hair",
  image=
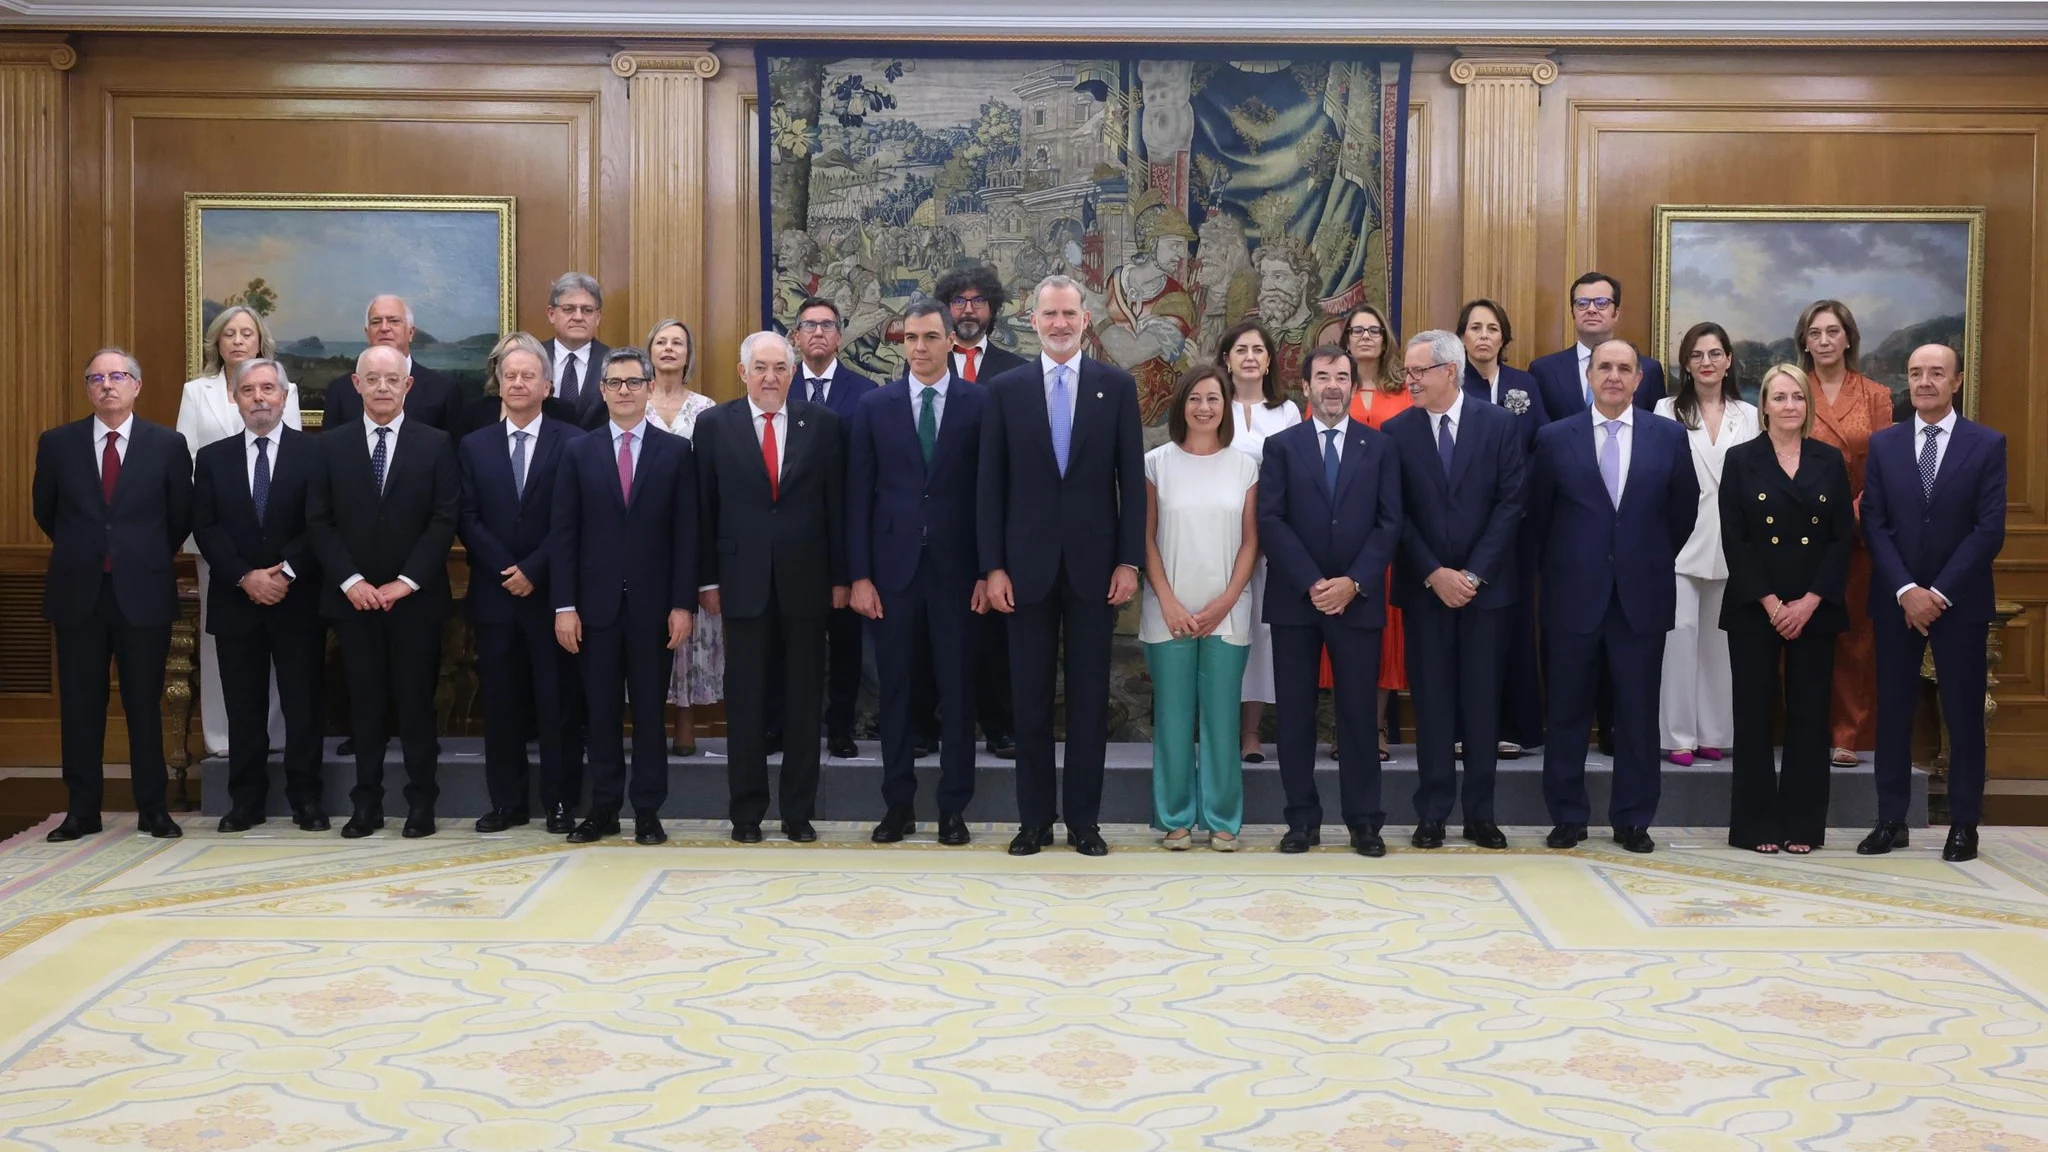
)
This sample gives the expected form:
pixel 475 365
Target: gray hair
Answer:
pixel 689 338
pixel 1051 282
pixel 253 363
pixel 569 282
pixel 266 346
pixel 1446 347
pixel 747 346
pixel 621 355
pixel 372 307
pixel 513 342
pixel 134 368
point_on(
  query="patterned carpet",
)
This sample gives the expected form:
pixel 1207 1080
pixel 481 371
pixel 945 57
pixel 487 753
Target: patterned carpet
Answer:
pixel 509 993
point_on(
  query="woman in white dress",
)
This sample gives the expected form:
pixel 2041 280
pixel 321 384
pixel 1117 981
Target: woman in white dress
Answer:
pixel 673 406
pixel 1696 709
pixel 1258 408
pixel 207 413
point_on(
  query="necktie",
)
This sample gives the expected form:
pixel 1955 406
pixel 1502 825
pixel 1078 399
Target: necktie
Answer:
pixel 1928 460
pixel 817 384
pixel 1610 461
pixel 1330 461
pixel 1585 385
pixel 571 388
pixel 380 456
pixel 259 484
pixel 768 455
pixel 1061 416
pixel 967 357
pixel 110 474
pixel 519 439
pixel 928 423
pixel 626 465
pixel 1444 443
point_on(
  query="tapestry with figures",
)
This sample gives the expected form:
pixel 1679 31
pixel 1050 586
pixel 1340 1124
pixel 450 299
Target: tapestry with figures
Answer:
pixel 1184 194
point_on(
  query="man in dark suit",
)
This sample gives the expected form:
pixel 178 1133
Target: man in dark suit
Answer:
pixel 114 495
pixel 828 382
pixel 382 510
pixel 1455 580
pixel 772 524
pixel 1934 519
pixel 915 563
pixel 1612 498
pixel 575 357
pixel 1062 533
pixel 249 517
pixel 1564 376
pixel 435 400
pixel 1329 522
pixel 529 683
pixel 624 571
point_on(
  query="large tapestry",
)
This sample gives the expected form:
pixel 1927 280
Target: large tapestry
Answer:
pixel 1183 194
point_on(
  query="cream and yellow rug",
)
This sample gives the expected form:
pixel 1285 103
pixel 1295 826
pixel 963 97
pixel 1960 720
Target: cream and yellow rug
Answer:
pixel 299 992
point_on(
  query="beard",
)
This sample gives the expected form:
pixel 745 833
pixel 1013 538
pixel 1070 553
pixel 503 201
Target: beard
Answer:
pixel 969 330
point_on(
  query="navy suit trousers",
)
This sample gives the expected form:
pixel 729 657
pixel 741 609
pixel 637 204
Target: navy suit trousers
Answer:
pixel 1636 663
pixel 1355 670
pixel 928 621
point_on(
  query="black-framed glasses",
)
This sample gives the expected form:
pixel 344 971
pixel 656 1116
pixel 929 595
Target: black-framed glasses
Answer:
pixel 98 378
pixel 1372 330
pixel 1593 303
pixel 1411 375
pixel 967 302
pixel 817 325
pixel 625 383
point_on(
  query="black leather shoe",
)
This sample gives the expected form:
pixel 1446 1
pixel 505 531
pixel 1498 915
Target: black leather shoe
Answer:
pixel 953 829
pixel 746 833
pixel 1029 840
pixel 1368 843
pixel 1633 838
pixel 159 825
pixel 1088 842
pixel 896 824
pixel 1565 836
pixel 1486 834
pixel 1886 836
pixel 240 821
pixel 419 822
pixel 499 819
pixel 72 828
pixel 1962 844
pixel 1606 746
pixel 922 746
pixel 310 819
pixel 647 829
pixel 347 747
pixel 364 822
pixel 594 828
pixel 1300 840
pixel 799 831
pixel 559 820
pixel 842 746
pixel 1002 746
pixel 1428 834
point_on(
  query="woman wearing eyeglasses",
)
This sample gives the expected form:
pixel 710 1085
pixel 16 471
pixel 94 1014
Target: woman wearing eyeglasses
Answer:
pixel 1696 708
pixel 1381 395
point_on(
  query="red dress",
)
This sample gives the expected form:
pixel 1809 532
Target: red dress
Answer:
pixel 1384 406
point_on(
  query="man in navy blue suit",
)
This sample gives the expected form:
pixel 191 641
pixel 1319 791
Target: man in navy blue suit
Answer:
pixel 1564 376
pixel 1062 533
pixel 1934 520
pixel 1612 498
pixel 1329 522
pixel 1455 580
pixel 826 381
pixel 915 564
pixel 623 570
pixel 507 510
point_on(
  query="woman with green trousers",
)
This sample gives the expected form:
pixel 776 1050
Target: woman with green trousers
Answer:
pixel 1201 542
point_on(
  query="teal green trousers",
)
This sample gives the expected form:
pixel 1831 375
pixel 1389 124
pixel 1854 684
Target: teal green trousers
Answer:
pixel 1202 676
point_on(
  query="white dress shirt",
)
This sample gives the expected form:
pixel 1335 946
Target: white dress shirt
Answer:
pixel 781 433
pixel 1455 415
pixel 564 355
pixel 1343 429
pixel 1626 434
pixel 1046 364
pixel 390 455
pixel 1947 424
pixel 276 437
pixel 100 432
pixel 980 358
pixel 917 388
pixel 825 378
pixel 532 431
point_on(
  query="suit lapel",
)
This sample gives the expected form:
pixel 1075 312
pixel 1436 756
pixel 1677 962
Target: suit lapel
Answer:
pixel 1639 462
pixel 1959 448
pixel 1087 399
pixel 1351 463
pixel 750 447
pixel 1032 405
pixel 798 429
pixel 951 428
pixel 1580 445
pixel 1462 447
pixel 544 450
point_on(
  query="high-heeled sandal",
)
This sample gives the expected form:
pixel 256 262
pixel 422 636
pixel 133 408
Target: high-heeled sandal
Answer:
pixel 1797 849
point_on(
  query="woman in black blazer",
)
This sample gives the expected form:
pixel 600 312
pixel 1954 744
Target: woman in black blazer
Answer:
pixel 1786 527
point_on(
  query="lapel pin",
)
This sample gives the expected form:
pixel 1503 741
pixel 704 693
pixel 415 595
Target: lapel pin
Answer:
pixel 799 423
pixel 1098 395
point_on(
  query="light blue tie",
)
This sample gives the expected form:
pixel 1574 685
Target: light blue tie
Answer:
pixel 1610 461
pixel 1060 414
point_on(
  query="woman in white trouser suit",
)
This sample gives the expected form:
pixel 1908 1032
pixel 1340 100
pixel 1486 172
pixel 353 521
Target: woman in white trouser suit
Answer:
pixel 205 414
pixel 1696 708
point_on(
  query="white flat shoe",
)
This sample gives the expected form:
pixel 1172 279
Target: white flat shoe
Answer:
pixel 1222 842
pixel 1179 841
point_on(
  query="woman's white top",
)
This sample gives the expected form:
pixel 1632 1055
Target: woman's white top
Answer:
pixel 1702 558
pixel 207 413
pixel 1250 436
pixel 1201 526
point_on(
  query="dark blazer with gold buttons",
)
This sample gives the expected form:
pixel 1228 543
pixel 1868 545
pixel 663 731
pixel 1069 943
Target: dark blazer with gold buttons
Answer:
pixel 1785 535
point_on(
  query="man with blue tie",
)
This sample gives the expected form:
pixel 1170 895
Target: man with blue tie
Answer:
pixel 915 564
pixel 826 381
pixel 1565 377
pixel 1456 579
pixel 1062 533
pixel 1329 521
pixel 1612 499
pixel 508 498
pixel 1934 520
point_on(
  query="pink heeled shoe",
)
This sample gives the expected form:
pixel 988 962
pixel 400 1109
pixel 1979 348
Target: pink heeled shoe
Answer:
pixel 1707 753
pixel 1682 759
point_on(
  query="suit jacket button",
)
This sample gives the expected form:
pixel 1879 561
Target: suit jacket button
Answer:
pixel 1774 539
pixel 1816 519
pixel 1802 539
pixel 1759 495
pixel 1770 519
pixel 1823 499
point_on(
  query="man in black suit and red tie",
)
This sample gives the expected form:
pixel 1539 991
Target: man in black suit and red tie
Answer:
pixel 1062 531
pixel 249 517
pixel 1934 520
pixel 575 357
pixel 113 492
pixel 434 398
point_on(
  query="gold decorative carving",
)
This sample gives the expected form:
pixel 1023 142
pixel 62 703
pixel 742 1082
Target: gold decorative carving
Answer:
pixel 667 186
pixel 50 52
pixel 33 197
pixel 631 62
pixel 1466 69
pixel 181 691
pixel 1500 176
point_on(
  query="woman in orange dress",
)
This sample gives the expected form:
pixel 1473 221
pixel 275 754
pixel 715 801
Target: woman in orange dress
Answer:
pixel 1849 407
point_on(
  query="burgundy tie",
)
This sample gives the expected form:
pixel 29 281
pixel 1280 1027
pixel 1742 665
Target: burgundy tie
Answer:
pixel 110 475
pixel 626 466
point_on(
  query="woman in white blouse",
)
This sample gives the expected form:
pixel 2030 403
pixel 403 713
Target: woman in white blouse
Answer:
pixel 698 677
pixel 1697 709
pixel 206 413
pixel 1201 539
pixel 1258 408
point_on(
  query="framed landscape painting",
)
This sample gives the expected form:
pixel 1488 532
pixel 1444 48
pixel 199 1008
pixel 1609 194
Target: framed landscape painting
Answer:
pixel 1910 275
pixel 309 265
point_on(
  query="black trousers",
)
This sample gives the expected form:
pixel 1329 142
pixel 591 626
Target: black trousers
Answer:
pixel 840 655
pixel 291 647
pixel 394 666
pixel 530 683
pixel 84 648
pixel 1354 674
pixel 1454 677
pixel 621 660
pixel 752 645
pixel 1634 666
pixel 929 619
pixel 1960 672
pixel 1085 621
pixel 1769 804
pixel 992 701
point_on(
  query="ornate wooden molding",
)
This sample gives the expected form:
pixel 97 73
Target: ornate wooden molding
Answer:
pixel 1499 189
pixel 33 121
pixel 666 97
pixel 697 60
pixel 46 51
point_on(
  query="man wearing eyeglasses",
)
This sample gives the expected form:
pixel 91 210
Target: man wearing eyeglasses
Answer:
pixel 113 492
pixel 1595 303
pixel 434 400
pixel 576 358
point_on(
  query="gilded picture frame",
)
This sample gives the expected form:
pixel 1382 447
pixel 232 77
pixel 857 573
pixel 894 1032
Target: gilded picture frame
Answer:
pixel 1910 274
pixel 310 263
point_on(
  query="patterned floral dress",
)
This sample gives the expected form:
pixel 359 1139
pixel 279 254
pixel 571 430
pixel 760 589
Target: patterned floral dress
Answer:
pixel 699 674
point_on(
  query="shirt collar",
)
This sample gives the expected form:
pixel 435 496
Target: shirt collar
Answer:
pixel 1627 417
pixel 980 346
pixel 275 435
pixel 639 431
pixel 1046 364
pixel 562 350
pixel 126 429
pixel 1946 423
pixel 759 411
pixel 1343 424
pixel 370 426
pixel 830 371
pixel 1456 411
pixel 532 428
pixel 917 386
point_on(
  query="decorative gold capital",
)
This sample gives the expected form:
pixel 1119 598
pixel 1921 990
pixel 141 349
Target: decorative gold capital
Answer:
pixel 694 59
pixel 49 52
pixel 1539 70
